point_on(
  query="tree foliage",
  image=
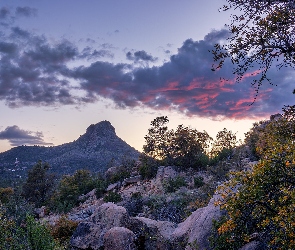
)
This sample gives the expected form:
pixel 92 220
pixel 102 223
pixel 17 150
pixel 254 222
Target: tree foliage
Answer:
pixel 223 145
pixel 72 186
pixel 261 35
pixel 262 201
pixel 39 184
pixel 185 146
pixel 156 141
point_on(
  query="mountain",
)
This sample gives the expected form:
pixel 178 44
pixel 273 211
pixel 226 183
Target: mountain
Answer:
pixel 95 150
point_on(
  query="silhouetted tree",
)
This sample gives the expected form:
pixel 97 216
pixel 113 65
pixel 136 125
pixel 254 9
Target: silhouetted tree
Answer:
pixel 183 147
pixel 261 35
pixel 39 184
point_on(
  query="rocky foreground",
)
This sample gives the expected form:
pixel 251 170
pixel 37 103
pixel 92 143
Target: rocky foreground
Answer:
pixel 110 226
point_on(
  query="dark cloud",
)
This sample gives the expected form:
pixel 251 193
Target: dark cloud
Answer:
pixel 90 53
pixel 17 137
pixel 187 84
pixel 25 11
pixel 140 56
pixel 4 13
pixel 35 71
pixel 9 15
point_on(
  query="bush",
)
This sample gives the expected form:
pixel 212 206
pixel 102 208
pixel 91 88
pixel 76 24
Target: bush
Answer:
pixel 6 194
pixel 63 230
pixel 112 197
pixel 265 200
pixel 100 187
pixel 39 235
pixel 71 187
pixel 148 168
pixel 171 185
pixel 30 234
pixel 135 205
pixel 173 211
pixel 198 181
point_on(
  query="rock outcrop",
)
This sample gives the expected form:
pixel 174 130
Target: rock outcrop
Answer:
pixel 197 228
pixel 89 233
pixel 109 220
pixel 119 238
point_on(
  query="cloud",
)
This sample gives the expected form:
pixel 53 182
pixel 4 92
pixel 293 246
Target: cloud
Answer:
pixel 4 12
pixel 187 84
pixel 17 137
pixel 25 11
pixel 140 56
pixel 9 15
pixel 35 71
pixel 90 53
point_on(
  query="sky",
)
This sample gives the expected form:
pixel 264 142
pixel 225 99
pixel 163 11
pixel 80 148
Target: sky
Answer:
pixel 67 64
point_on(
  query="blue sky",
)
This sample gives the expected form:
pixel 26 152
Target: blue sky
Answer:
pixel 67 64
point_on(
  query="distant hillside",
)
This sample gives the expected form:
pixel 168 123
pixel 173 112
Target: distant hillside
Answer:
pixel 94 150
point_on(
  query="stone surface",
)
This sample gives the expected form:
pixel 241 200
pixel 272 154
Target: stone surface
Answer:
pixel 113 186
pixel 133 179
pixel 253 245
pixel 119 238
pixel 89 234
pixel 197 227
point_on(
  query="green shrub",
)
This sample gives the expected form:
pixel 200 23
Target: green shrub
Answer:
pixel 100 187
pixel 39 235
pixel 112 197
pixel 120 175
pixel 148 168
pixel 6 194
pixel 63 230
pixel 72 186
pixel 12 237
pixel 29 235
pixel 39 184
pixel 198 181
pixel 171 185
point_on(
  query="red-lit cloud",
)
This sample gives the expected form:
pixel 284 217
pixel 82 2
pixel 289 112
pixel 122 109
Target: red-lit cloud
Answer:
pixel 36 72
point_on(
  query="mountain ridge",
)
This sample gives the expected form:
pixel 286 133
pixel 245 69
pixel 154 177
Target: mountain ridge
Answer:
pixel 94 150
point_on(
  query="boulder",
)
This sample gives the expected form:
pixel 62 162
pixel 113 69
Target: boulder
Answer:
pixel 197 228
pixel 152 234
pixel 89 234
pixel 40 212
pixel 113 186
pixel 132 180
pixel 119 238
pixel 253 245
pixel 110 215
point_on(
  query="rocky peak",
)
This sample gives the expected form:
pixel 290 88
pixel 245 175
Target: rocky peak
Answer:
pixel 101 129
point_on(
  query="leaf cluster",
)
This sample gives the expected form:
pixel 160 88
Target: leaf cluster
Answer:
pixel 261 35
pixel 184 146
pixel 262 201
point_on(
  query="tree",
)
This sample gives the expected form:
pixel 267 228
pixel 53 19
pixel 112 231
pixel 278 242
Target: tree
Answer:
pixel 188 147
pixel 39 184
pixel 261 35
pixel 261 202
pixel 72 186
pixel 223 145
pixel 185 146
pixel 156 144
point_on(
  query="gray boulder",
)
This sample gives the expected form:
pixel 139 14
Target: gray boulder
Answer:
pixel 197 228
pixel 253 245
pixel 152 234
pixel 119 238
pixel 89 234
